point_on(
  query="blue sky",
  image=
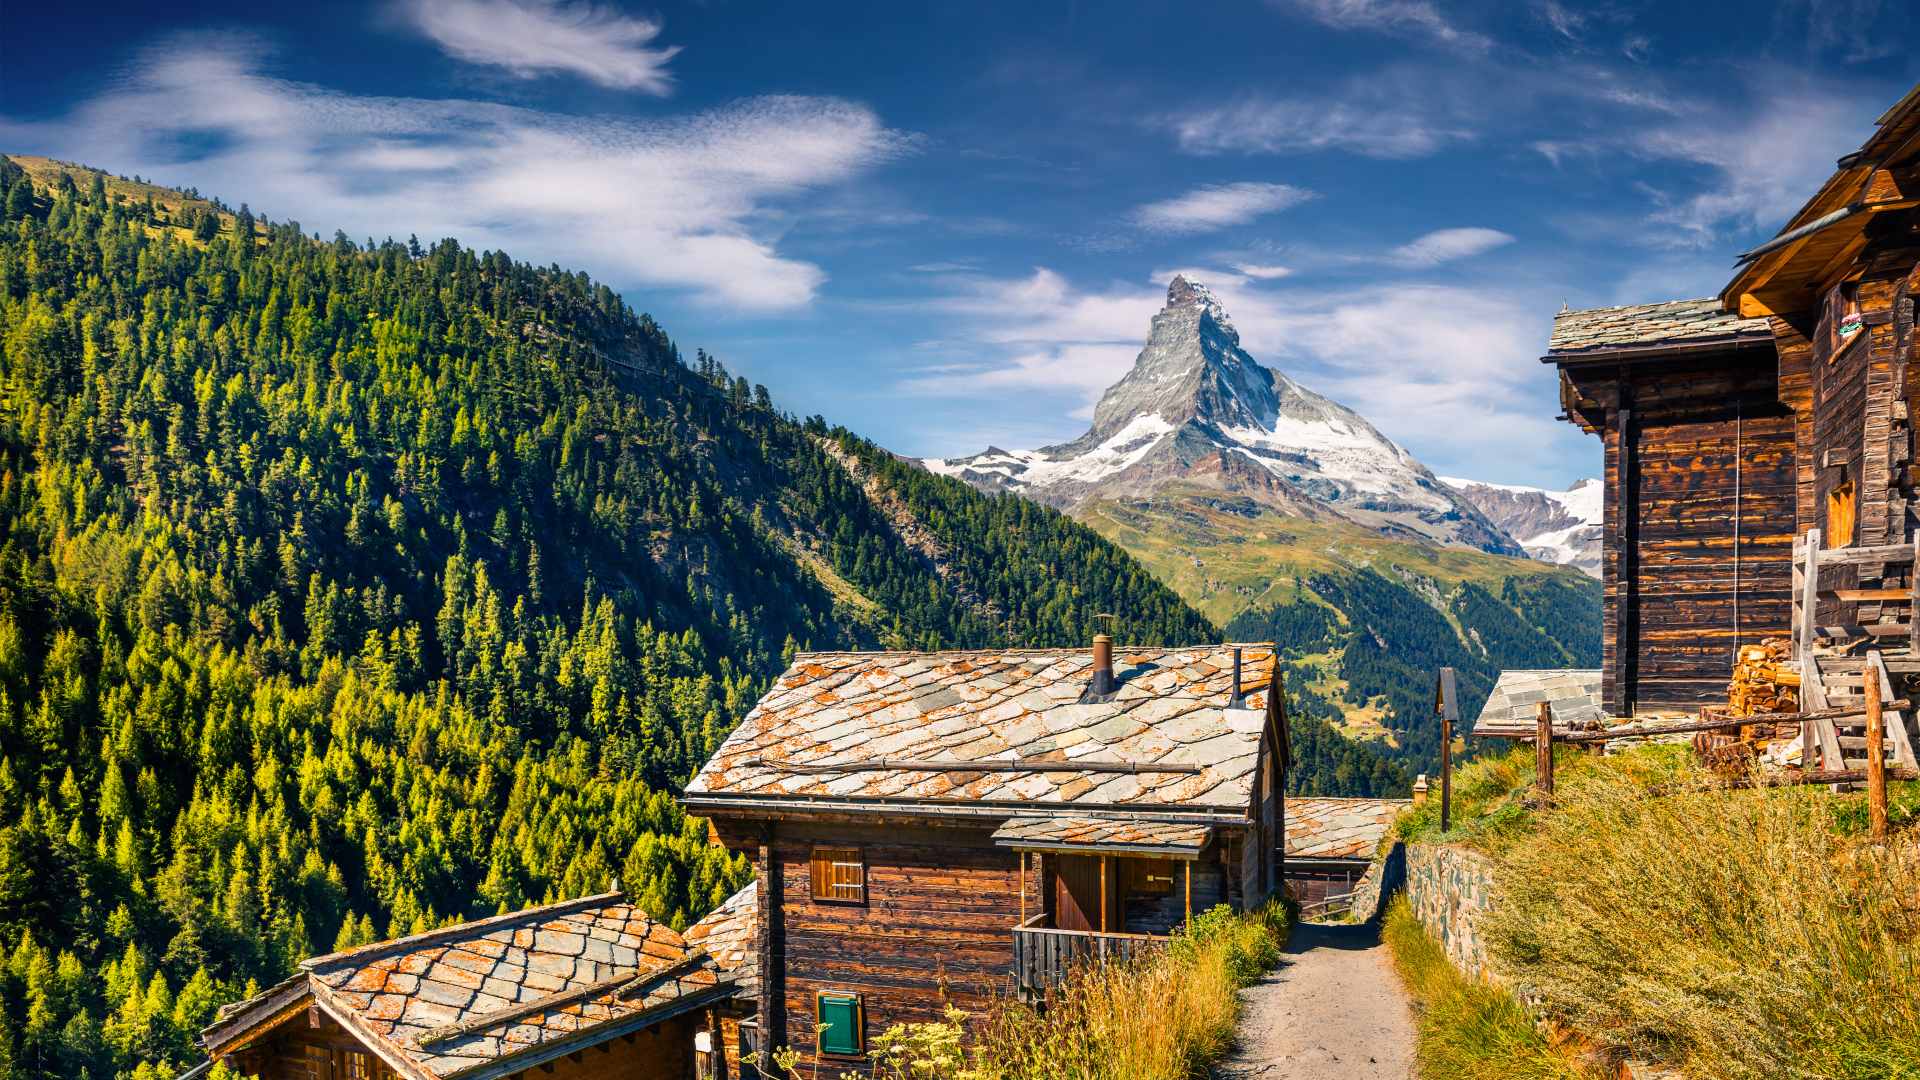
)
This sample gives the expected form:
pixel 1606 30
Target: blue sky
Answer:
pixel 947 226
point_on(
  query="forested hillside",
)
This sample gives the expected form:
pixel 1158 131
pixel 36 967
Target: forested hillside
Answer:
pixel 350 588
pixel 1380 640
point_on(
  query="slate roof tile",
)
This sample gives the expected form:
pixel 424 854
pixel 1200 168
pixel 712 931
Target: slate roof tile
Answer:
pixel 1326 828
pixel 1512 706
pixel 1643 325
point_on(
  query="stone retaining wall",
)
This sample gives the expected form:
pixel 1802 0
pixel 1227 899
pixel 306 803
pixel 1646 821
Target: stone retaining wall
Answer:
pixel 1449 888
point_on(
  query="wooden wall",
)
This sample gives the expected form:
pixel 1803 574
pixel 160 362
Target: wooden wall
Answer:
pixel 936 926
pixel 1698 533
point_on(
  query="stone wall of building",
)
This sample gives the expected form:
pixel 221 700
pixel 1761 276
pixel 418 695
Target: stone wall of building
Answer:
pixel 1449 888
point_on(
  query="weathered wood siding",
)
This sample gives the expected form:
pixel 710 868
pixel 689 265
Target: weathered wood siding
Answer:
pixel 311 1046
pixel 937 925
pixel 1698 530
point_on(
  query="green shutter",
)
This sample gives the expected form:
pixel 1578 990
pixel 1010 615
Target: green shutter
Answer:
pixel 839 1022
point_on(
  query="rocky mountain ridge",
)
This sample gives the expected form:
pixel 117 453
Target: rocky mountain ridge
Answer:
pixel 1561 527
pixel 1197 411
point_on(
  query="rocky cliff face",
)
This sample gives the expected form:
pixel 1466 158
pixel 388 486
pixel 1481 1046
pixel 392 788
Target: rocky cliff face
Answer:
pixel 1553 526
pixel 1197 410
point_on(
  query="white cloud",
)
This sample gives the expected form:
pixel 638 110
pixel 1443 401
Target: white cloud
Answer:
pixel 1765 157
pixel 535 37
pixel 1446 245
pixel 1261 272
pixel 1360 125
pixel 673 203
pixel 1217 206
pixel 1410 17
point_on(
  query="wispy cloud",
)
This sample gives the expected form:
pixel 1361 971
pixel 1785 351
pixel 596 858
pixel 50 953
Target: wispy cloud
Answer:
pixel 1764 158
pixel 1276 126
pixel 675 203
pixel 1263 272
pixel 1446 245
pixel 1217 206
pixel 538 37
pixel 1412 18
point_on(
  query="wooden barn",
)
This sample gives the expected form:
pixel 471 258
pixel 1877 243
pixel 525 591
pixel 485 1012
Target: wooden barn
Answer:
pixel 588 989
pixel 1760 458
pixel 951 827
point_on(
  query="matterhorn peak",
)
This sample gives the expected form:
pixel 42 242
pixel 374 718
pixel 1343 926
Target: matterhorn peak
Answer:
pixel 1195 409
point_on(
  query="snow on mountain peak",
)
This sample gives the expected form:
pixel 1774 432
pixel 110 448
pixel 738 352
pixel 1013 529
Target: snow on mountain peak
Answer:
pixel 1196 409
pixel 1553 526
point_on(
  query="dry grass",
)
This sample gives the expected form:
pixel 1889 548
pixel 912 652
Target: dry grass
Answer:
pixel 1736 934
pixel 1165 1018
pixel 1468 1028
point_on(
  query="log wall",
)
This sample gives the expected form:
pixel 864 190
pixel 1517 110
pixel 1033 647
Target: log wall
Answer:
pixel 1698 532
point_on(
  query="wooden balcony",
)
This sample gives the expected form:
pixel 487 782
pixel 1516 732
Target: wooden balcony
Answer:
pixel 1043 955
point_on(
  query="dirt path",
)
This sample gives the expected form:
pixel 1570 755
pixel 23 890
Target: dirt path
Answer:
pixel 1333 1010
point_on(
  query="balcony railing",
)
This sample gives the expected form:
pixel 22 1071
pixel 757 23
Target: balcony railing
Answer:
pixel 1043 955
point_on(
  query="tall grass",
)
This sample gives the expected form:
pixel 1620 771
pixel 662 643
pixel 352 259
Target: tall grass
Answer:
pixel 1165 1017
pixel 1735 933
pixel 1468 1028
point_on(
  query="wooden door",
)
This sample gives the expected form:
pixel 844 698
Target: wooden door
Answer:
pixel 1076 893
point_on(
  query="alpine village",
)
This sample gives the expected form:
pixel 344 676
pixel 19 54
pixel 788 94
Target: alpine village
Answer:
pixel 415 666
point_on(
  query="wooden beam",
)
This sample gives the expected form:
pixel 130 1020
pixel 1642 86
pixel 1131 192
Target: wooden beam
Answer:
pixel 1103 894
pixel 1189 894
pixel 1543 748
pixel 1876 764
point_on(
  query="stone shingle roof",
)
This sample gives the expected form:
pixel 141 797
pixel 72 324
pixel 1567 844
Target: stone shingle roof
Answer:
pixel 728 935
pixel 1329 828
pixel 1102 834
pixel 1643 325
pixel 1516 698
pixel 871 711
pixel 501 994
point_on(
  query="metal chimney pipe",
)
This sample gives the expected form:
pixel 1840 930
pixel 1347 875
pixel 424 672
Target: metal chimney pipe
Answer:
pixel 1233 700
pixel 1102 664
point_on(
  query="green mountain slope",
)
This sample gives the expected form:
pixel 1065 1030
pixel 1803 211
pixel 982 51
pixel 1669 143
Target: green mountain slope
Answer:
pixel 345 590
pixel 1365 619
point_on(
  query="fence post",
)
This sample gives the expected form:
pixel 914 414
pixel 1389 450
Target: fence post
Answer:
pixel 1543 749
pixel 1876 757
pixel 1445 703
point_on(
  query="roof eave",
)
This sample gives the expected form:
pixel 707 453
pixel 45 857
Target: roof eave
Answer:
pixel 1667 350
pixel 553 1049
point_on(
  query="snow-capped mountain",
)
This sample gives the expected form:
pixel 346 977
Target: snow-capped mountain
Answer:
pixel 1554 526
pixel 1196 410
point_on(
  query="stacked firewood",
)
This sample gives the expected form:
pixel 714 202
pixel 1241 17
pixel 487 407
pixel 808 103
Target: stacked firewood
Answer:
pixel 1762 682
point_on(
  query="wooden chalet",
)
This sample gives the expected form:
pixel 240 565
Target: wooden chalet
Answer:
pixel 1760 458
pixel 1330 847
pixel 589 989
pixel 952 827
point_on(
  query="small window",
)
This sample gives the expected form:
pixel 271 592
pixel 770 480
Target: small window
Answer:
pixel 839 875
pixel 839 1024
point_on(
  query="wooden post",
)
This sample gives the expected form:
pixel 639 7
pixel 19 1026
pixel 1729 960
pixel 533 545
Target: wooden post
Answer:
pixel 1811 695
pixel 1543 749
pixel 1189 865
pixel 1449 708
pixel 1876 758
pixel 1023 888
pixel 1103 894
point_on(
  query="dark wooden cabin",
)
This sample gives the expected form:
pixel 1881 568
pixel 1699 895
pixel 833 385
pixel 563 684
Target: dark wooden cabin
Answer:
pixel 588 989
pixel 950 828
pixel 1700 457
pixel 1760 458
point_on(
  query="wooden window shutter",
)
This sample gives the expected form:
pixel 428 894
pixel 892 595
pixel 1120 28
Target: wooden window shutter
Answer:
pixel 839 1024
pixel 839 875
pixel 1843 510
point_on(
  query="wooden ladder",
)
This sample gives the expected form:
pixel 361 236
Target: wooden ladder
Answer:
pixel 1828 680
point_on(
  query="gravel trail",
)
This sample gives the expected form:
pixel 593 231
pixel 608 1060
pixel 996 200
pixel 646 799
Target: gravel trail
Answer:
pixel 1332 1010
